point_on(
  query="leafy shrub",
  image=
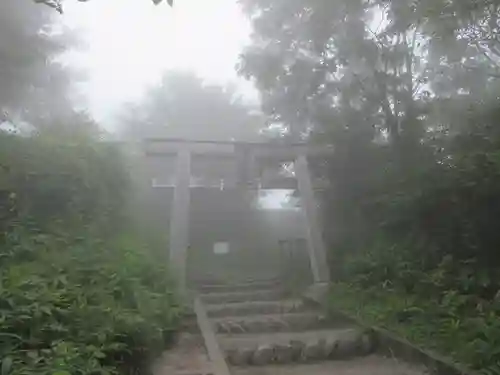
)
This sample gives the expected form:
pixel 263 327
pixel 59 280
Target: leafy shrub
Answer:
pixel 456 325
pixel 80 291
pixel 82 305
pixel 412 233
pixel 48 178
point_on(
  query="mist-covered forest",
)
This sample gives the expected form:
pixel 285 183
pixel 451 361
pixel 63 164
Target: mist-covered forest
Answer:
pixel 408 94
pixel 82 290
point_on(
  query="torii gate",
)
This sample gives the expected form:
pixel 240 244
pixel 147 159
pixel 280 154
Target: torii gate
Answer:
pixel 247 155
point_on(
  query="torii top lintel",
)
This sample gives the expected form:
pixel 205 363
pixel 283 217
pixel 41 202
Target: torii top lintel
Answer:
pixel 277 150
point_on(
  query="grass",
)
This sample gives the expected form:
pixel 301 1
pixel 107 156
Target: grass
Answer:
pixel 471 338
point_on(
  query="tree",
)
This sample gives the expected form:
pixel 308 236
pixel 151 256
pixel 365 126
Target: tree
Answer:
pixel 183 106
pixel 404 90
pixel 58 4
pixel 327 51
pixel 31 82
pixel 314 59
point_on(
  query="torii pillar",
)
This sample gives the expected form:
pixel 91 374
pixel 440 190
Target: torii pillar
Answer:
pixel 179 221
pixel 316 245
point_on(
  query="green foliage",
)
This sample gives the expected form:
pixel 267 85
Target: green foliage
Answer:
pixel 406 92
pixel 82 305
pixel 33 84
pixel 48 178
pixel 425 264
pixel 58 4
pixel 183 106
pixel 80 291
pixel 459 325
pixel 417 246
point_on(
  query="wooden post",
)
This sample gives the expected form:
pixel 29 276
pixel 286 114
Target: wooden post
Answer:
pixel 179 221
pixel 316 246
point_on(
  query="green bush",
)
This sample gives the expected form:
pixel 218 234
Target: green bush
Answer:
pixel 82 305
pixel 415 249
pixel 80 291
pixel 49 178
pixel 457 325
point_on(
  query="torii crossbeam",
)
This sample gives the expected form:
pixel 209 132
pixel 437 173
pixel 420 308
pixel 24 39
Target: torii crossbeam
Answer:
pixel 247 156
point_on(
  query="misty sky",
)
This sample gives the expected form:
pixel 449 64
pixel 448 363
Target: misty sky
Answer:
pixel 127 44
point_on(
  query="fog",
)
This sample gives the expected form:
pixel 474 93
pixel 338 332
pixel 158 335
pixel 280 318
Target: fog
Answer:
pixel 151 147
pixel 126 46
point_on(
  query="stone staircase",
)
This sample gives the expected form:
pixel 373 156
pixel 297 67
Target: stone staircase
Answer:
pixel 262 332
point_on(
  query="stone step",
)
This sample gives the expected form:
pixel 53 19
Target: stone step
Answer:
pixel 242 296
pixel 283 348
pixel 372 365
pixel 256 308
pixel 291 322
pixel 239 287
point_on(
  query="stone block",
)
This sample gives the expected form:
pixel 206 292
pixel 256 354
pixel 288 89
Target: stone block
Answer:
pixel 263 355
pixel 297 349
pixel 366 343
pixel 277 325
pixel 237 327
pixel 330 349
pixel 317 293
pixel 283 354
pixel 241 357
pixel 314 350
pixel 347 348
pixel 255 326
pixel 222 327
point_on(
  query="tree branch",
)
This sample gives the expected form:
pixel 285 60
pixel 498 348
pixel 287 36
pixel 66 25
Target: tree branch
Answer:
pixel 57 5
